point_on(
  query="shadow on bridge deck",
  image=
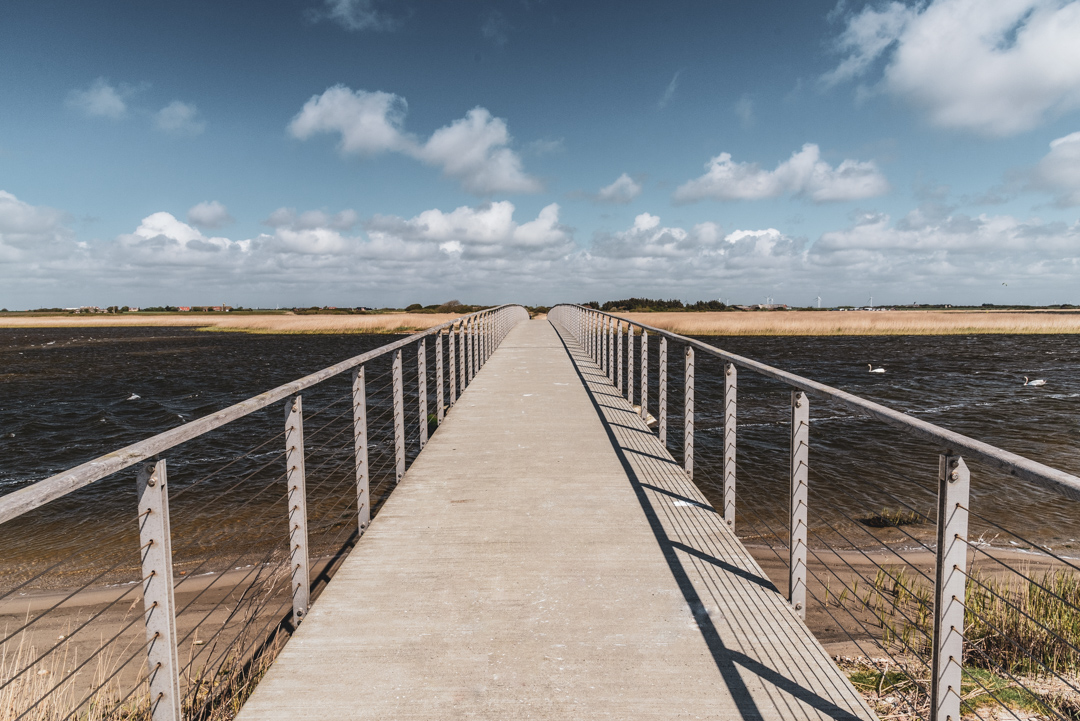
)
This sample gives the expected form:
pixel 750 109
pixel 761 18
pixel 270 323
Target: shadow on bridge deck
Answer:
pixel 545 557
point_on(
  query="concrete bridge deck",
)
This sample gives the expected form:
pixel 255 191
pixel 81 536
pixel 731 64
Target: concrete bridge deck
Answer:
pixel 545 558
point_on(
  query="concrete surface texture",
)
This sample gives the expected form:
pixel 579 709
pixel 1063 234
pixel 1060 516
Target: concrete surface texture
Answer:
pixel 545 558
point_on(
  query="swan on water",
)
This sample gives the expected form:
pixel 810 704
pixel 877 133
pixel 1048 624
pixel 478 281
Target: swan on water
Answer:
pixel 1037 382
pixel 873 369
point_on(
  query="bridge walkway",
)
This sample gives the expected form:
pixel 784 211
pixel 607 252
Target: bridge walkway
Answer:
pixel 545 558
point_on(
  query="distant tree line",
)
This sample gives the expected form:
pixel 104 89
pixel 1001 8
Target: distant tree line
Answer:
pixel 650 304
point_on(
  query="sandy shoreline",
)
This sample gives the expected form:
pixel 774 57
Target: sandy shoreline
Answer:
pixel 754 323
pixel 896 322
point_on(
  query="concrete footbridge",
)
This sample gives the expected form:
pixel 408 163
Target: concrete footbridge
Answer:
pixel 501 517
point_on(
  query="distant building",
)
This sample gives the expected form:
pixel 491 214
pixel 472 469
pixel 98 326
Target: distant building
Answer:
pixel 184 309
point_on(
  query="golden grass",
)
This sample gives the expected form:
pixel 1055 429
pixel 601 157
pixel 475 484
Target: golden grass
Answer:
pixel 388 323
pixel 898 322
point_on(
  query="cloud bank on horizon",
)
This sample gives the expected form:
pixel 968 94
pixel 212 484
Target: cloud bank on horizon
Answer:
pixel 916 151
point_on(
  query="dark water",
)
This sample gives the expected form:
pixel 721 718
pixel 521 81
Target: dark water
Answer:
pixel 971 385
pixel 69 396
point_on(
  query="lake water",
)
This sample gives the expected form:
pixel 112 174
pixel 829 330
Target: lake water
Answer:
pixel 71 395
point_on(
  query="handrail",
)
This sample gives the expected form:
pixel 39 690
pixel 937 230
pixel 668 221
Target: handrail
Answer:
pixel 1015 465
pixel 49 489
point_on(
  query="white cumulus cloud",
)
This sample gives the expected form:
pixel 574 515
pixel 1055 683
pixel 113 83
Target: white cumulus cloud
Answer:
pixel 179 118
pixel 28 231
pixel 473 150
pixel 998 67
pixel 368 122
pixel 209 214
pixel 804 175
pixel 623 190
pixel 101 100
pixel 1059 171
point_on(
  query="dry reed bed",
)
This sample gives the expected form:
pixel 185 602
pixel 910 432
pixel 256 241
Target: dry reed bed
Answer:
pixel 386 323
pixel 861 322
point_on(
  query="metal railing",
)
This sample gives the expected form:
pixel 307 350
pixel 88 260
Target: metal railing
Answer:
pixel 946 617
pixel 220 579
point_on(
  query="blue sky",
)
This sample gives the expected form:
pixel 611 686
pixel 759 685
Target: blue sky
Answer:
pixel 371 152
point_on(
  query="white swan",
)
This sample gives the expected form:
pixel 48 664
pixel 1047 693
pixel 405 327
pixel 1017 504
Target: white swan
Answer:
pixel 1037 382
pixel 875 370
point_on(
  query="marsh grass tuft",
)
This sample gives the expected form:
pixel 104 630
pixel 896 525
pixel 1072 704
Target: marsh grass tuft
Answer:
pixel 889 518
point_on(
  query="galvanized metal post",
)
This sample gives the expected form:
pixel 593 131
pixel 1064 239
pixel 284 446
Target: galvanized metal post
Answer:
pixel 296 478
pixel 730 400
pixel 688 413
pixel 399 418
pixel 470 351
pixel 618 356
pixel 954 483
pixel 438 379
pixel 421 388
pixel 800 480
pixel 474 346
pixel 661 420
pixel 481 330
pixel 644 375
pixel 611 351
pixel 159 605
pixel 360 449
pixel 461 355
pixel 630 363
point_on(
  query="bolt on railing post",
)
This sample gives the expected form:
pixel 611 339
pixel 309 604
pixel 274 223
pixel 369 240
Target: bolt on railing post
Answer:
pixel 688 414
pixel 954 483
pixel 630 363
pixel 800 479
pixel 159 605
pixel 421 388
pixel 438 379
pixel 661 420
pixel 644 375
pixel 399 418
pixel 730 404
pixel 297 483
pixel 360 449
pixel 618 356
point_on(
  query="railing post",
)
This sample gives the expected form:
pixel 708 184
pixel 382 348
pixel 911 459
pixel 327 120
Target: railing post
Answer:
pixel 800 479
pixel 452 364
pixel 421 388
pixel 730 401
pixel 438 379
pixel 360 449
pixel 611 350
pixel 630 363
pixel 399 418
pixel 954 482
pixel 644 375
pixel 159 605
pixel 661 420
pixel 474 347
pixel 482 333
pixel 618 356
pixel 688 414
pixel 461 353
pixel 296 477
